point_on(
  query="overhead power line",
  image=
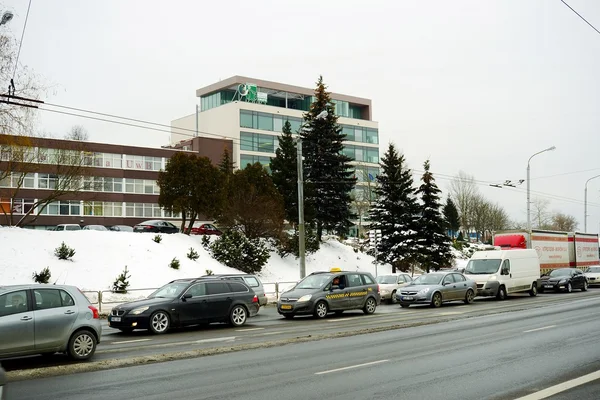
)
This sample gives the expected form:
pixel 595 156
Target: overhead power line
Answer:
pixel 580 16
pixel 11 88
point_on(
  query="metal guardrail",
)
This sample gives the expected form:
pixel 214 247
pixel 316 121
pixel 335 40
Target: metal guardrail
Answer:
pixel 102 298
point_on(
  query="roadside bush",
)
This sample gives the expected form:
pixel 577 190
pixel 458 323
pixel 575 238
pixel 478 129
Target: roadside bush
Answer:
pixel 122 282
pixel 43 276
pixel 193 254
pixel 235 250
pixel 157 239
pixel 206 242
pixel 288 244
pixel 175 264
pixel 64 252
pixel 209 272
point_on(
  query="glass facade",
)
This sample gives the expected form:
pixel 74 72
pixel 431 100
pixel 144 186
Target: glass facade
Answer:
pixel 274 123
pixel 366 174
pixel 246 159
pixel 216 99
pixel 257 142
pixel 362 153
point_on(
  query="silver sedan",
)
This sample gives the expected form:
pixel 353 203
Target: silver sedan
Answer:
pixel 436 288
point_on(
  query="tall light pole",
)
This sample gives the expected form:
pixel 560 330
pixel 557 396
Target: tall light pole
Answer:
pixel 301 245
pixel 529 186
pixel 585 203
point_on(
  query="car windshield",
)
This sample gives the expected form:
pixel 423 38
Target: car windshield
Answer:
pixel 429 279
pixel 170 290
pixel 561 272
pixel 594 269
pixel 387 279
pixel 313 282
pixel 487 266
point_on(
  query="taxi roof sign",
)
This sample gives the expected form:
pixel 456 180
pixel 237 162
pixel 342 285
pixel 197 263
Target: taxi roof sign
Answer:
pixel 334 270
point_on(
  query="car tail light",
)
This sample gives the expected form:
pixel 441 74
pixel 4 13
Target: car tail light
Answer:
pixel 255 299
pixel 94 312
pixel 378 288
pixel 148 226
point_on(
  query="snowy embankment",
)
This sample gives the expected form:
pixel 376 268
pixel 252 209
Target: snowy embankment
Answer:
pixel 101 256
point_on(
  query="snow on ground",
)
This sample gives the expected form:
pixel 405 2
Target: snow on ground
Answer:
pixel 101 256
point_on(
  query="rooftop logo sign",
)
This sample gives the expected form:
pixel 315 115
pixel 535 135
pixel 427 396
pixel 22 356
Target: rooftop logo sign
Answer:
pixel 249 92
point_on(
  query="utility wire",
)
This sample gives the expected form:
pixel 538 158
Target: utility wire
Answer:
pixel 580 16
pixel 12 81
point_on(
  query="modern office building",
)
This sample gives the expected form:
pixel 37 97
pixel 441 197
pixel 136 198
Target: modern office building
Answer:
pixel 251 112
pixel 117 183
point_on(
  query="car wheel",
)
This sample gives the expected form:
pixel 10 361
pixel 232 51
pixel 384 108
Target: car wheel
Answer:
pixel 288 316
pixel 501 295
pixel 321 309
pixel 585 286
pixel 569 288
pixel 404 305
pixel 82 345
pixel 159 322
pixel 393 299
pixel 238 316
pixel 436 300
pixel 534 291
pixel 126 330
pixel 469 296
pixel 370 306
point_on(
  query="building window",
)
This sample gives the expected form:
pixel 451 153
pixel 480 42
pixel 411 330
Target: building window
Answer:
pixel 63 207
pixel 47 181
pixel 257 142
pixel 94 208
pixel 246 159
pixel 22 206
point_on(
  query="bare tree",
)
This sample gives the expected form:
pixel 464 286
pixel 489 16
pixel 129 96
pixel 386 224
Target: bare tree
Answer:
pixel 498 219
pixel 78 133
pixel 479 215
pixel 362 196
pixel 563 222
pixel 542 218
pixel 463 191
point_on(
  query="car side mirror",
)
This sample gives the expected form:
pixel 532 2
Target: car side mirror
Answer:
pixel 335 287
pixel 186 296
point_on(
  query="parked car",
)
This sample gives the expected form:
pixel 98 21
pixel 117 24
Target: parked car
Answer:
pixel 121 228
pixel 565 279
pixel 68 227
pixel 335 291
pixel 436 288
pixel 185 302
pixel 251 280
pixel 94 228
pixel 2 384
pixel 45 319
pixel 389 285
pixel 593 275
pixel 206 229
pixel 156 226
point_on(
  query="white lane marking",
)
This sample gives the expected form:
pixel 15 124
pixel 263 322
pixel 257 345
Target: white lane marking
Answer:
pixel 272 333
pixel 351 367
pixel 540 329
pixel 249 329
pixel 341 319
pixel 223 339
pixel 450 313
pixel 561 387
pixel 131 341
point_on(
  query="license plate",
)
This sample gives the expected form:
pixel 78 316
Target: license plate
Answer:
pixel 286 307
pixel 407 298
pixel 548 286
pixel 115 319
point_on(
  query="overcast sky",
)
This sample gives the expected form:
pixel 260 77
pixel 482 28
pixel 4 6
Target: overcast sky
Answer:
pixel 476 85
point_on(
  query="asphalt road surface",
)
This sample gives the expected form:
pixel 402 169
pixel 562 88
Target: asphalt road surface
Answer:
pixel 269 325
pixel 499 356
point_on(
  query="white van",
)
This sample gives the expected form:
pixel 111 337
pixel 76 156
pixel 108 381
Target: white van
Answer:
pixel 500 272
pixel 68 227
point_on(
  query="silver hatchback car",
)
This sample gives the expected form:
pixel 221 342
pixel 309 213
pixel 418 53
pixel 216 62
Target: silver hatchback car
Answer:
pixel 45 319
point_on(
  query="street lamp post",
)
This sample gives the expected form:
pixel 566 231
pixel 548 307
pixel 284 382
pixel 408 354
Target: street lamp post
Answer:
pixel 585 203
pixel 529 186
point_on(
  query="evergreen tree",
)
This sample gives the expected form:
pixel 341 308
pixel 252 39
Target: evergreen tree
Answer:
pixel 327 171
pixel 284 172
pixel 226 164
pixel 433 243
pixel 451 216
pixel 395 212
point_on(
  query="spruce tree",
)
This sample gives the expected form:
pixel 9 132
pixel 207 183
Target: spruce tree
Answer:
pixel 433 243
pixel 328 174
pixel 395 211
pixel 284 172
pixel 451 216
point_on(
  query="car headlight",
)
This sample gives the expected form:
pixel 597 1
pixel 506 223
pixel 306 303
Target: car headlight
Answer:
pixel 138 311
pixel 423 291
pixel 385 291
pixel 563 281
pixel 304 298
pixel 493 278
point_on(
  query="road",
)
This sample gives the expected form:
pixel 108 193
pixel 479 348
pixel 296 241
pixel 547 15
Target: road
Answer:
pixel 269 326
pixel 499 356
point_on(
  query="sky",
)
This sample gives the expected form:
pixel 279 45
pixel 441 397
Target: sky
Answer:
pixel 474 86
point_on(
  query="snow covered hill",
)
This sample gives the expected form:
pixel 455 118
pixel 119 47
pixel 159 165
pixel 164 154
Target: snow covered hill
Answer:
pixel 101 256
